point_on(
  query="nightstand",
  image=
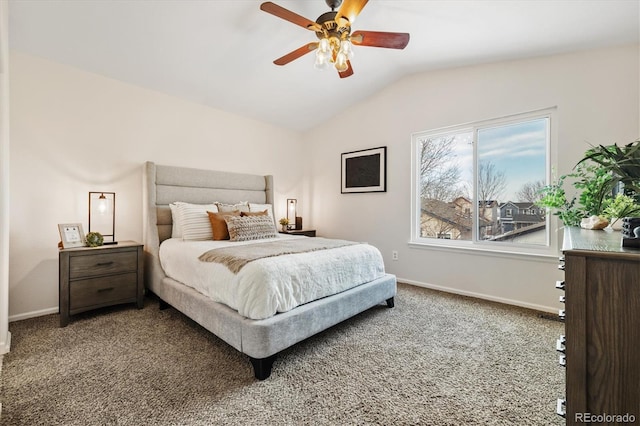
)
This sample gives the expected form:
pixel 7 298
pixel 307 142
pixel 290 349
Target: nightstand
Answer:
pixel 305 232
pixel 94 277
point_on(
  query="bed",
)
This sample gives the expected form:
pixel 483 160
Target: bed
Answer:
pixel 260 339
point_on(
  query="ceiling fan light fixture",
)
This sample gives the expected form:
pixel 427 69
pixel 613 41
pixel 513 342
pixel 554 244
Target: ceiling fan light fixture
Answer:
pixel 332 50
pixel 333 30
pixel 341 64
pixel 322 61
pixel 324 46
pixel 346 48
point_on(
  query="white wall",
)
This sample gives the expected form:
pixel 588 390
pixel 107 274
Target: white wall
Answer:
pixel 73 132
pixel 5 336
pixel 597 96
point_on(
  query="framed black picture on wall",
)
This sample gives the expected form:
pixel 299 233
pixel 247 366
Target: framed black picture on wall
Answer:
pixel 364 170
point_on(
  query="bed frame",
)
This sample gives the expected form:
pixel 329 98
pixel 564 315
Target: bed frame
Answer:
pixel 262 339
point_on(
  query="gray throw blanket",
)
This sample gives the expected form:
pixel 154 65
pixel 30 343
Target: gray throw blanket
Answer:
pixel 235 258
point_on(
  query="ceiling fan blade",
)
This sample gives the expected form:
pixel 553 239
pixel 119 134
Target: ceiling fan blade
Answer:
pixel 290 16
pixel 292 56
pixel 346 73
pixel 380 39
pixel 348 12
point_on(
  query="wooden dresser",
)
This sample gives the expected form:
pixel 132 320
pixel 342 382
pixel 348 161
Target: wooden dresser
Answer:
pixel 95 277
pixel 601 345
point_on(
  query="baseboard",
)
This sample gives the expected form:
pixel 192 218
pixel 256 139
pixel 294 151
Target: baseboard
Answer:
pixel 33 314
pixel 482 296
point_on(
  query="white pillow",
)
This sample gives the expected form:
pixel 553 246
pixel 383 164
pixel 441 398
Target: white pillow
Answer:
pixel 176 230
pixel 192 221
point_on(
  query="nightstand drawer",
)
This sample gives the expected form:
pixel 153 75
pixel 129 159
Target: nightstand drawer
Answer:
pixel 102 291
pixel 102 264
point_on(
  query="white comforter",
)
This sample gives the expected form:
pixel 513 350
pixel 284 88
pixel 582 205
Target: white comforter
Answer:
pixel 276 284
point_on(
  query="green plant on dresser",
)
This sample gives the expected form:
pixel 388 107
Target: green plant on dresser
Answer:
pixel 607 183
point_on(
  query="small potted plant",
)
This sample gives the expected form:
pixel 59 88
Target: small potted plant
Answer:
pixel 620 206
pixel 284 222
pixel 94 239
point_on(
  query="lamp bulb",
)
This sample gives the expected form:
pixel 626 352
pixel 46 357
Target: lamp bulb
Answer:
pixel 321 62
pixel 103 204
pixel 341 62
pixel 346 48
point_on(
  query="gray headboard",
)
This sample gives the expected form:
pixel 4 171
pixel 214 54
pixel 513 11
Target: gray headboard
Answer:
pixel 166 184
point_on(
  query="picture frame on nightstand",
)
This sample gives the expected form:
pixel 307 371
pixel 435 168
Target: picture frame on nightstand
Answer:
pixel 72 235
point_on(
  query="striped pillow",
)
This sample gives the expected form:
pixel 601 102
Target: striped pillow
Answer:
pixel 194 221
pixel 245 228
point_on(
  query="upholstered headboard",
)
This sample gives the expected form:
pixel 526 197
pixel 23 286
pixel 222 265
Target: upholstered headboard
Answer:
pixel 166 184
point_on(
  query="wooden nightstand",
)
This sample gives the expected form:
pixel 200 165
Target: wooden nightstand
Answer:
pixel 305 232
pixel 94 277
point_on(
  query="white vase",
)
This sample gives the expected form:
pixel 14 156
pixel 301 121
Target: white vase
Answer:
pixel 616 224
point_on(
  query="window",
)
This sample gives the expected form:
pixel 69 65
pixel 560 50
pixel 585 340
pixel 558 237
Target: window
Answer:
pixel 477 184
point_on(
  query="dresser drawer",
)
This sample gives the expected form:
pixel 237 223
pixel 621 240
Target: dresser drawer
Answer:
pixel 102 264
pixel 102 291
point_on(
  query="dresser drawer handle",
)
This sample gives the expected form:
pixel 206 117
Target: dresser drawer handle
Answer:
pixel 562 360
pixel 561 314
pixel 560 344
pixel 560 285
pixel 561 407
pixel 104 263
pixel 561 267
pixel 102 290
pixel 561 299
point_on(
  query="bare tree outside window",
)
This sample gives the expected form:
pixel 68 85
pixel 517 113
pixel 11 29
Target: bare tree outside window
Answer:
pixel 446 211
pixel 439 170
pixel 530 192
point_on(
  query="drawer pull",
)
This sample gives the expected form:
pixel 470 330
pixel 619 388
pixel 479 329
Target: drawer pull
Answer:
pixel 561 299
pixel 102 290
pixel 561 314
pixel 562 360
pixel 560 344
pixel 561 258
pixel 561 267
pixel 560 285
pixel 561 407
pixel 104 263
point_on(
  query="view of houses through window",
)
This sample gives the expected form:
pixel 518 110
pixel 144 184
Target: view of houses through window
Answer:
pixel 480 182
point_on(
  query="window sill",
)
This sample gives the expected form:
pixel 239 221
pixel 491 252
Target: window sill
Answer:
pixel 531 255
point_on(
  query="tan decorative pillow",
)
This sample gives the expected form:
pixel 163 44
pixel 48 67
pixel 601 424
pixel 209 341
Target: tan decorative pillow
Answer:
pixel 242 206
pixel 219 225
pixel 262 213
pixel 254 207
pixel 245 228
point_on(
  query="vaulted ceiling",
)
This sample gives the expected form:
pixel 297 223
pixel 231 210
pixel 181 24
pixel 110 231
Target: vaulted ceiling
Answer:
pixel 220 52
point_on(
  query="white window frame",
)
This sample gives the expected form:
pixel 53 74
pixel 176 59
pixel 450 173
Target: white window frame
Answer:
pixel 551 249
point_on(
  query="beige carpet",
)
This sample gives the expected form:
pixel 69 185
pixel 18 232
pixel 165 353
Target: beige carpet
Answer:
pixel 434 359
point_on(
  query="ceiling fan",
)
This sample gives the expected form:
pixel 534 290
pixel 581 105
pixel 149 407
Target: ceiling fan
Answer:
pixel 333 29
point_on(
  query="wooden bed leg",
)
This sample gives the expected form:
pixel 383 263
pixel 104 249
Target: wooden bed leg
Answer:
pixel 262 366
pixel 390 302
pixel 163 305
